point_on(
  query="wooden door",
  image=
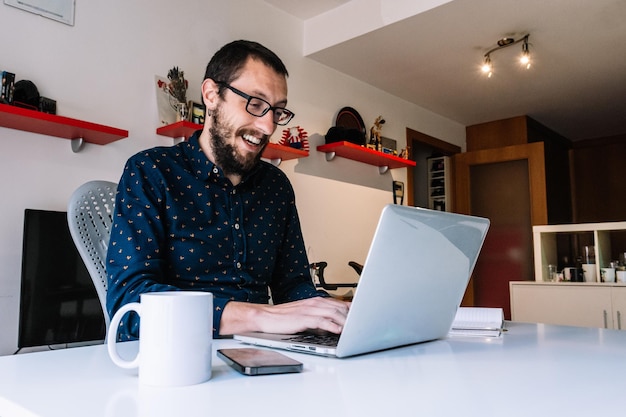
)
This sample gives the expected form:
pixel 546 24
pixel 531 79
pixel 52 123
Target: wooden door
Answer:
pixel 508 186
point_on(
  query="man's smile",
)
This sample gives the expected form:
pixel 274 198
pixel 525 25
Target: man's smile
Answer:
pixel 251 139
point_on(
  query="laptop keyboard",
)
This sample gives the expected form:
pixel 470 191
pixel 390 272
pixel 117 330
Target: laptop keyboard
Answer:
pixel 317 339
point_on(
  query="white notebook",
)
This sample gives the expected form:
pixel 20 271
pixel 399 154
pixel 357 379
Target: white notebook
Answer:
pixel 478 321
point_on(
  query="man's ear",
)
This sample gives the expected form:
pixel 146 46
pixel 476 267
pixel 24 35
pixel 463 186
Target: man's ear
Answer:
pixel 210 94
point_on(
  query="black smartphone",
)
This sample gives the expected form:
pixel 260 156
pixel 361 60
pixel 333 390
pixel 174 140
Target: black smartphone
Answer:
pixel 251 361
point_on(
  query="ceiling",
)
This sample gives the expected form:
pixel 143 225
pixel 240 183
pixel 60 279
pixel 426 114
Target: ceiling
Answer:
pixel 576 85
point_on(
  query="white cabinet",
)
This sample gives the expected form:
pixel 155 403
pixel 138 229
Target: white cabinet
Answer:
pixel 555 242
pixel 573 304
pixel 619 307
pixel 439 191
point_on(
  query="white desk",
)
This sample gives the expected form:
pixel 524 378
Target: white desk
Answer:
pixel 533 370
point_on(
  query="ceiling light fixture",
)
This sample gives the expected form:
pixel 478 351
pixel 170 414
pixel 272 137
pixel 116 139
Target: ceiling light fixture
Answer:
pixel 487 67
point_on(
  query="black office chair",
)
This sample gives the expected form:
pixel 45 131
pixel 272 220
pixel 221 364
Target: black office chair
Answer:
pixel 318 268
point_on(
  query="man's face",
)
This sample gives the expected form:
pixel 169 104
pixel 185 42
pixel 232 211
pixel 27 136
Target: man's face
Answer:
pixel 237 137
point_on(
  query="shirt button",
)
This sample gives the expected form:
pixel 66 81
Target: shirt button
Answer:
pixel 215 170
pixel 236 226
pixel 234 191
pixel 238 264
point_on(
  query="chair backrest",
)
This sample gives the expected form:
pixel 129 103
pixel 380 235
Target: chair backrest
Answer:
pixel 89 217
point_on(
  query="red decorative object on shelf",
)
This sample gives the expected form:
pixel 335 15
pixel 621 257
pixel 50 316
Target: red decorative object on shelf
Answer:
pixel 58 126
pixel 362 154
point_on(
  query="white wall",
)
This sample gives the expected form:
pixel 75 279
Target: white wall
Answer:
pixel 102 70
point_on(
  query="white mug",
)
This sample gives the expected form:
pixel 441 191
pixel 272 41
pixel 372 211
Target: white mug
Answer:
pixel 621 276
pixel 175 338
pixel 589 272
pixel 608 274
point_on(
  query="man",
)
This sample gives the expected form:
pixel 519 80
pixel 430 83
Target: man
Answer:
pixel 208 214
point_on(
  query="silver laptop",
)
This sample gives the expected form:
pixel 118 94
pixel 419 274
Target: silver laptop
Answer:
pixel 413 280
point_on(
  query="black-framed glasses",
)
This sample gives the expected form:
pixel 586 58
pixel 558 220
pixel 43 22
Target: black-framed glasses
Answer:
pixel 258 107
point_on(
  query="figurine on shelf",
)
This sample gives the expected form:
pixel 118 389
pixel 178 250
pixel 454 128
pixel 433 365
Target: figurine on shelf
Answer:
pixel 404 153
pixel 375 133
pixel 295 137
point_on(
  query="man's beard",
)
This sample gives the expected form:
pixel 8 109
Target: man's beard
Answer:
pixel 226 155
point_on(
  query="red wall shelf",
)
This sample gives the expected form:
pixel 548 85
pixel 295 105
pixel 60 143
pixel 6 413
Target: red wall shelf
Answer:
pixel 58 126
pixel 182 129
pixel 362 154
pixel 277 153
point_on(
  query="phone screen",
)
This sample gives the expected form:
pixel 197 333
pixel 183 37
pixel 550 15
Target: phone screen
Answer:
pixel 251 361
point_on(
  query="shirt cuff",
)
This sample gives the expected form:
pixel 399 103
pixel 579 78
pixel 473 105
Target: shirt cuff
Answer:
pixel 218 309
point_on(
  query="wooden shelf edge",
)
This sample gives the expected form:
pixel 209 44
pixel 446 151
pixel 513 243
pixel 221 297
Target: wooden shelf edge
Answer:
pixel 33 121
pixel 362 154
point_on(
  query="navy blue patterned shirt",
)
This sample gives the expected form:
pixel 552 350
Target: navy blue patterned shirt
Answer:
pixel 180 224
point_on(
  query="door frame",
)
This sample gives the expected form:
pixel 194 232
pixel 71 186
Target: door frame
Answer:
pixel 414 137
pixel 533 153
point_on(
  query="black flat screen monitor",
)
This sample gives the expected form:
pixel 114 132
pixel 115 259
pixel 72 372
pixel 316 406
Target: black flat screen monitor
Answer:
pixel 58 301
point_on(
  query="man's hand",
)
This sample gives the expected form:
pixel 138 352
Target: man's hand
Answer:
pixel 316 313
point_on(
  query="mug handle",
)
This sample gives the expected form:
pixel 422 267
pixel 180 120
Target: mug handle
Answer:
pixel 112 336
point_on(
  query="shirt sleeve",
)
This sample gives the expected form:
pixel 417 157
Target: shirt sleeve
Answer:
pixel 135 262
pixel 292 279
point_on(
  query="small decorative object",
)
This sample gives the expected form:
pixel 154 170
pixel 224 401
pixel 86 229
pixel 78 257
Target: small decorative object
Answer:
pixel 404 153
pixel 196 112
pixel 348 127
pixel 375 132
pixel 295 137
pixel 388 146
pixel 182 111
pixel 176 89
pixel 47 105
pixel 26 95
pixel 8 87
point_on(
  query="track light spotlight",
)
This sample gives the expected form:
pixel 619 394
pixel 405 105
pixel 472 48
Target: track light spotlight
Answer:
pixel 487 67
pixel 525 58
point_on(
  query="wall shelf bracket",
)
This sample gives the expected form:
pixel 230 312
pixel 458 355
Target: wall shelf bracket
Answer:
pixel 383 169
pixel 77 144
pixel 276 161
pixel 330 156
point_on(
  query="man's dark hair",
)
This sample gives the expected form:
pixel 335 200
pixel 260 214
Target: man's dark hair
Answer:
pixel 226 64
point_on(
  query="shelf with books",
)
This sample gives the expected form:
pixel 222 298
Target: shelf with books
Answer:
pixel 358 153
pixel 439 183
pixel 77 131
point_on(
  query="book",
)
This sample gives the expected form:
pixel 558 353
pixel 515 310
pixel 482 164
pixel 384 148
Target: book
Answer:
pixel 478 321
pixel 6 91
